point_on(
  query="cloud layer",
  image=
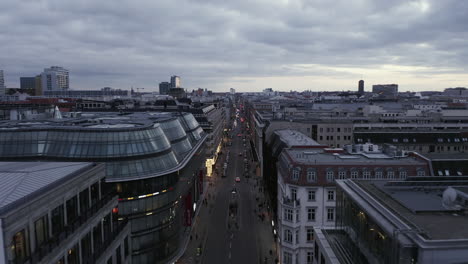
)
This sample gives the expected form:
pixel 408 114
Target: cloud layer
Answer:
pixel 245 44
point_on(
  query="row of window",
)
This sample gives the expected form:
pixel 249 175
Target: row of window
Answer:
pixel 288 214
pixel 338 129
pixel 288 236
pixel 378 173
pixel 59 218
pixel 337 138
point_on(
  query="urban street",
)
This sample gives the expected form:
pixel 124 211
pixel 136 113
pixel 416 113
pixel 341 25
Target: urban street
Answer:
pixel 223 233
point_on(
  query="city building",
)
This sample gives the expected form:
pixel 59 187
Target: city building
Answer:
pixel 55 78
pixel 154 160
pixel 164 87
pixel 60 212
pixel 106 94
pixel 361 87
pixel 177 93
pixel 175 81
pixel 2 83
pixel 307 193
pixel 28 83
pixel 232 91
pixel 385 90
pixel 420 220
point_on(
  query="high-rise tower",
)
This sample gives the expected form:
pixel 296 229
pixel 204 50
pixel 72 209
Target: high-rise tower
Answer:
pixel 175 81
pixel 55 78
pixel 361 87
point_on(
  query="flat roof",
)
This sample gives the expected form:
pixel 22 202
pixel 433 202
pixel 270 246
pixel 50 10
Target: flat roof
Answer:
pixel 420 206
pixel 20 180
pixel 295 138
pixel 308 157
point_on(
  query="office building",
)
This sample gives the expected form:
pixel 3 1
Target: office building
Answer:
pixel 28 83
pixel 420 220
pixel 164 87
pixel 55 78
pixel 2 83
pixel 385 90
pixel 361 87
pixel 60 212
pixel 154 160
pixel 105 93
pixel 175 81
pixel 307 194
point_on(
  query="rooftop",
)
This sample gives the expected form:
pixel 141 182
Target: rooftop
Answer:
pixel 295 138
pixel 318 155
pixel 22 181
pixel 419 204
pixel 101 120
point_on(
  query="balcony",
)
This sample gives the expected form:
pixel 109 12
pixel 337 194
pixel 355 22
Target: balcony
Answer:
pixel 290 202
pixel 70 229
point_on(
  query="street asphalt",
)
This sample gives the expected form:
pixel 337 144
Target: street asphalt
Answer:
pixel 243 238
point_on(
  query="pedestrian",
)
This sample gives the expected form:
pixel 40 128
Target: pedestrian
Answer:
pixel 190 237
pixel 196 236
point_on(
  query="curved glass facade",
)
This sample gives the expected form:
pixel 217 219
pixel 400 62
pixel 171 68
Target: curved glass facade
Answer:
pixel 144 154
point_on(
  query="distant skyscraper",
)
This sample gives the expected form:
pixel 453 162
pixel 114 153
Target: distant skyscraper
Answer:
pixel 55 78
pixel 175 81
pixel 28 83
pixel 361 87
pixel 164 87
pixel 2 83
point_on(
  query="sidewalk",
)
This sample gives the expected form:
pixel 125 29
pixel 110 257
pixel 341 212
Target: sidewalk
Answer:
pixel 197 234
pixel 265 237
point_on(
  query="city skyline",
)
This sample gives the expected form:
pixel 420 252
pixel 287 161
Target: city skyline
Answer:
pixel 288 45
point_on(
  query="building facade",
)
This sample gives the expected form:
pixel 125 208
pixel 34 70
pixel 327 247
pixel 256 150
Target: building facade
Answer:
pixel 307 193
pixel 152 159
pixel 2 83
pixel 164 87
pixel 60 212
pixel 420 220
pixel 55 78
pixel 175 82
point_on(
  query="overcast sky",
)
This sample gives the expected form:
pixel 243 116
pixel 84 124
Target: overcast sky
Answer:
pixel 245 44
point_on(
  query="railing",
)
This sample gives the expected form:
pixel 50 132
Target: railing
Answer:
pixel 69 229
pixel 117 229
pixel 290 202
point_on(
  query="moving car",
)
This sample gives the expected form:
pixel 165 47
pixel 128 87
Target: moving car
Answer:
pixel 237 179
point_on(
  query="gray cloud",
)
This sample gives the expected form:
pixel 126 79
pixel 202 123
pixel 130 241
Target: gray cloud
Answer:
pixel 216 44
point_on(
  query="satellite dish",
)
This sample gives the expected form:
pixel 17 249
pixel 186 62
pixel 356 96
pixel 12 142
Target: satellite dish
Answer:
pixel 449 197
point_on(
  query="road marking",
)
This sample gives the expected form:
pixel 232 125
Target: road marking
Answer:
pixel 229 255
pixel 230 245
